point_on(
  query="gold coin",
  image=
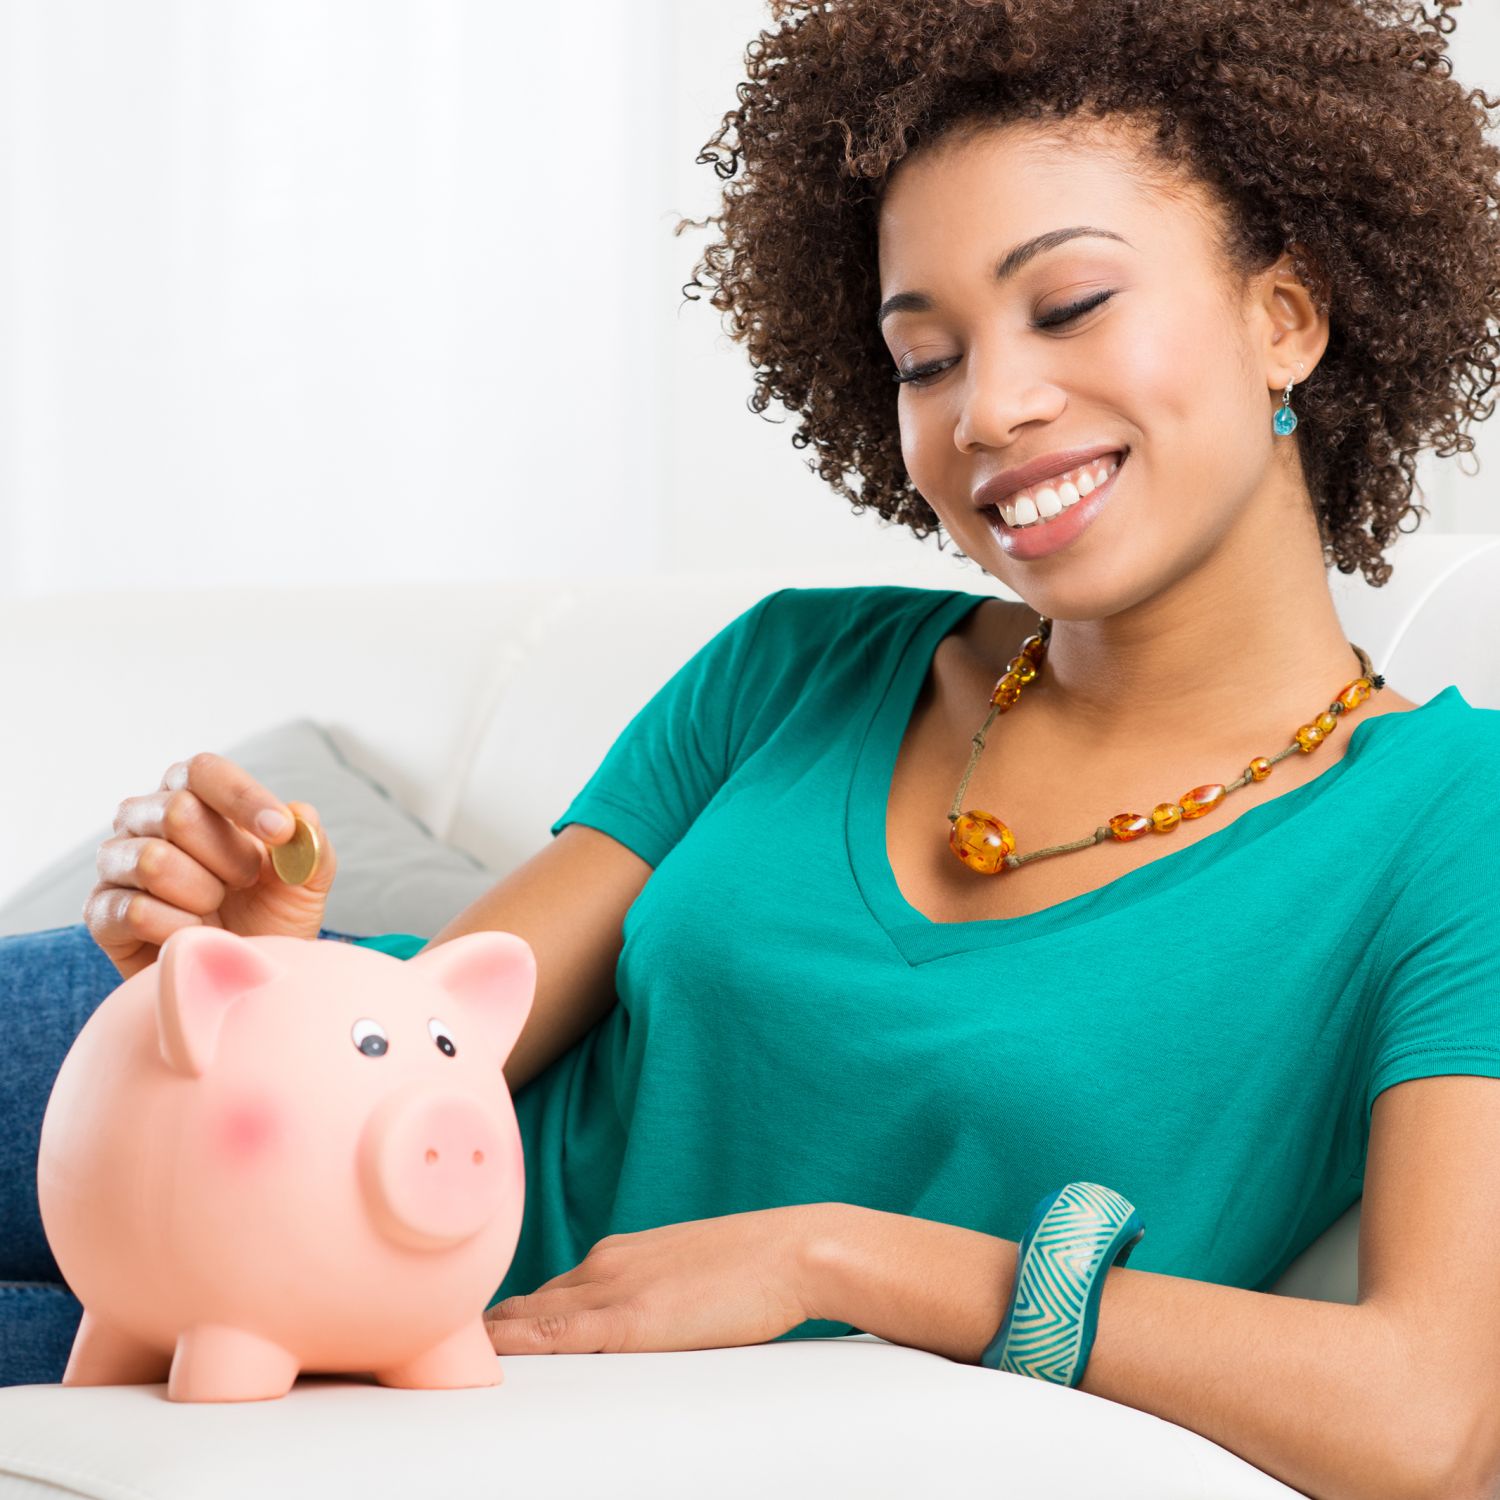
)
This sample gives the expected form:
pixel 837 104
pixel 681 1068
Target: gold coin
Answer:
pixel 295 860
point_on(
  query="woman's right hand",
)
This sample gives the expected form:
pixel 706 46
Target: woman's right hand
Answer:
pixel 191 853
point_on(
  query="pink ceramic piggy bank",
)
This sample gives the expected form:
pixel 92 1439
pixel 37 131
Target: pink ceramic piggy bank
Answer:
pixel 265 1155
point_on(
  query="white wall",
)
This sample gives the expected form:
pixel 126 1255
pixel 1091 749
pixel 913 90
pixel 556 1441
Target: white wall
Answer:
pixel 341 290
pixel 305 290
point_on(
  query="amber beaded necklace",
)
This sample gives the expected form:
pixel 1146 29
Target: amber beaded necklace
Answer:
pixel 985 844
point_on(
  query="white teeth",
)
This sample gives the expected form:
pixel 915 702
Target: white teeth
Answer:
pixel 1025 507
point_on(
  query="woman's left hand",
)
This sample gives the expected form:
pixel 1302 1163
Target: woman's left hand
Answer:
pixel 705 1284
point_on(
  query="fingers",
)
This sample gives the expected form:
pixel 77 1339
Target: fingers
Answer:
pixel 181 848
pixel 232 792
pixel 120 920
pixel 182 820
pixel 164 870
pixel 176 854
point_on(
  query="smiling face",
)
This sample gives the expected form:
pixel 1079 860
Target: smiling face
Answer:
pixel 1138 338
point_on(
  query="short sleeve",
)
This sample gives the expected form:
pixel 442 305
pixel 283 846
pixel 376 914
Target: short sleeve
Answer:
pixel 667 763
pixel 1437 1006
pixel 398 944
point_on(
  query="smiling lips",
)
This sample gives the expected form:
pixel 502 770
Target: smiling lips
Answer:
pixel 1041 501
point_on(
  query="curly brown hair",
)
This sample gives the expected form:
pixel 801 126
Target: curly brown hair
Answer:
pixel 1332 127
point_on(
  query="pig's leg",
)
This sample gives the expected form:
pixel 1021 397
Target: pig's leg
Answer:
pixel 217 1363
pixel 103 1355
pixel 465 1358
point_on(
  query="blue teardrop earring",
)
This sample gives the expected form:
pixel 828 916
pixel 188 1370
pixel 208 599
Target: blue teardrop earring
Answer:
pixel 1285 420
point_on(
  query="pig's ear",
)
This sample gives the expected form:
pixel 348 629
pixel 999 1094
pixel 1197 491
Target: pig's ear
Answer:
pixel 204 970
pixel 493 977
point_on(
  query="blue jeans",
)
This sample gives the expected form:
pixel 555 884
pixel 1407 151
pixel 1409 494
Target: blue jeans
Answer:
pixel 51 982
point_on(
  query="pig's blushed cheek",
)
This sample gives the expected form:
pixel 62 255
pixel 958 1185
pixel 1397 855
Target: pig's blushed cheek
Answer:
pixel 247 1130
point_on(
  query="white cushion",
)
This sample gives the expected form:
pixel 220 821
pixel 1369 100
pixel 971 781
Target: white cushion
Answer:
pixel 841 1417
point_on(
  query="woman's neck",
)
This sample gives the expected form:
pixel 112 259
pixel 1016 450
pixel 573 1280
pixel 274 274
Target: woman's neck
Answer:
pixel 1206 665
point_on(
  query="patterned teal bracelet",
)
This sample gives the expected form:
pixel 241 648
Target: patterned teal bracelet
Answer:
pixel 1075 1235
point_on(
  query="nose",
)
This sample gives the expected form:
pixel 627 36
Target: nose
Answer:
pixel 996 405
pixel 433 1169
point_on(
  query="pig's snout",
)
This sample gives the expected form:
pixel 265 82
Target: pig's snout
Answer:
pixel 432 1168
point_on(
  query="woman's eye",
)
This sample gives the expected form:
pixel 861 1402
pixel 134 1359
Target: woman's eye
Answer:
pixel 1062 315
pixel 920 374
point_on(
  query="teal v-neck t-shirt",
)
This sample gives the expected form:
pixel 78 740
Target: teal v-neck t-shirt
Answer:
pixel 1205 1034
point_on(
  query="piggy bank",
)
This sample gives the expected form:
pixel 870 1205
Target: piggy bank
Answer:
pixel 267 1155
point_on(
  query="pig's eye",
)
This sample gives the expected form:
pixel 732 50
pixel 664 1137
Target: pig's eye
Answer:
pixel 369 1036
pixel 439 1033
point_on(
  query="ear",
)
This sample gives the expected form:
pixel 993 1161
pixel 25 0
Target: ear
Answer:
pixel 202 972
pixel 492 975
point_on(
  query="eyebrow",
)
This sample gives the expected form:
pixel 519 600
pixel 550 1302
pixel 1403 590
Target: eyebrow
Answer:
pixel 1013 261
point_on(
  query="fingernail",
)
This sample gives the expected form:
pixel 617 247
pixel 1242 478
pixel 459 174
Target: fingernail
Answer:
pixel 271 823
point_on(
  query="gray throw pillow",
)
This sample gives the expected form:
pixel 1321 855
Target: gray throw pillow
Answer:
pixel 393 876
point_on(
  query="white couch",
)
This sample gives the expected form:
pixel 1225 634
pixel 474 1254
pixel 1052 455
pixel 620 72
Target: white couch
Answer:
pixel 466 717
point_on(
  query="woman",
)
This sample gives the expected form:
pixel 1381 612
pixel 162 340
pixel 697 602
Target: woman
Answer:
pixel 804 1052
